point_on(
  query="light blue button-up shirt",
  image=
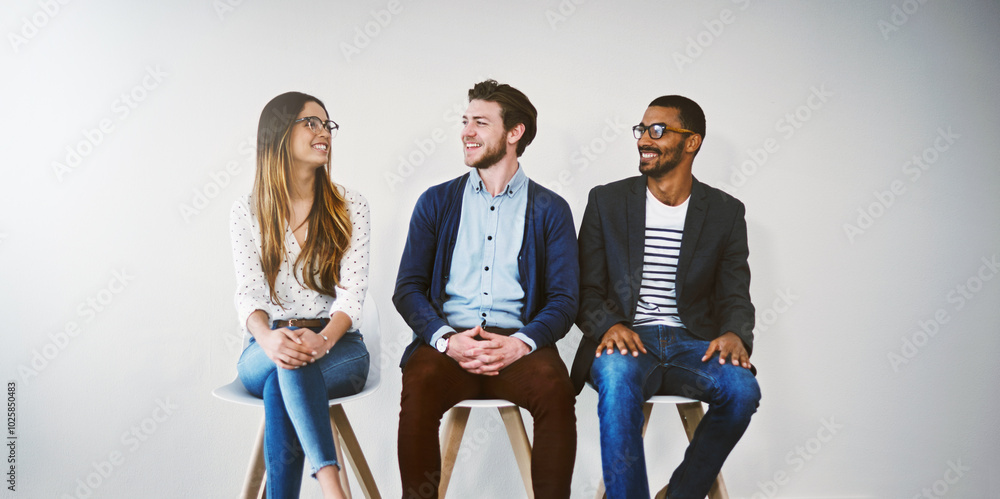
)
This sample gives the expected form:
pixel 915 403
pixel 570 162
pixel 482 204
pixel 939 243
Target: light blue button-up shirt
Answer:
pixel 484 287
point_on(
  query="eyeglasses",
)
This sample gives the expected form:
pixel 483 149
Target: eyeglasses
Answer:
pixel 316 125
pixel 656 130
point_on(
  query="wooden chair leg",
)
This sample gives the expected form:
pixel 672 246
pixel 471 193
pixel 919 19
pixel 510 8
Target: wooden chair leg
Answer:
pixel 519 442
pixel 253 484
pixel 601 492
pixel 345 483
pixel 647 409
pixel 352 449
pixel 451 438
pixel 691 415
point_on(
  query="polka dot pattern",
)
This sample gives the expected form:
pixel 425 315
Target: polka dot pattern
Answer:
pixel 299 302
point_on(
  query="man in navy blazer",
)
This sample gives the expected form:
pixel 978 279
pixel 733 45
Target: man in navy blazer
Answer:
pixel 665 305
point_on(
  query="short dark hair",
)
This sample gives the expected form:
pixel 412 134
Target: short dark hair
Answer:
pixel 514 108
pixel 691 115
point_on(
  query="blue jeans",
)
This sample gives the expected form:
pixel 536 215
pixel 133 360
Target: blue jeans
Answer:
pixel 296 409
pixel 672 366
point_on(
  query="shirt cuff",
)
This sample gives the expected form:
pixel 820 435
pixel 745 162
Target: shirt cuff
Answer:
pixel 439 333
pixel 527 341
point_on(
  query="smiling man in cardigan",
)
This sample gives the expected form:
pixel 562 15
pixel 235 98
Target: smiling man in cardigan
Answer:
pixel 489 281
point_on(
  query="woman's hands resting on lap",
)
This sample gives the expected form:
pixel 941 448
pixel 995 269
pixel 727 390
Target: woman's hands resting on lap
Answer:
pixel 294 348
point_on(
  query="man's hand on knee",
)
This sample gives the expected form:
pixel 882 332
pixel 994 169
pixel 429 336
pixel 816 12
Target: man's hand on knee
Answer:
pixel 729 346
pixel 622 338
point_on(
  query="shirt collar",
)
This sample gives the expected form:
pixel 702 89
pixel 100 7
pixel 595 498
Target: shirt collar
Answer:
pixel 516 182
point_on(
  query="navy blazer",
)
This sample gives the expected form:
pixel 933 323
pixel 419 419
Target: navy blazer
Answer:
pixel 547 264
pixel 713 276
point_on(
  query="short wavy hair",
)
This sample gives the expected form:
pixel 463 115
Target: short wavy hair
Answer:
pixel 514 108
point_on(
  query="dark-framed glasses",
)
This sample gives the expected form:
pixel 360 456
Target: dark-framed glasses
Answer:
pixel 656 130
pixel 316 125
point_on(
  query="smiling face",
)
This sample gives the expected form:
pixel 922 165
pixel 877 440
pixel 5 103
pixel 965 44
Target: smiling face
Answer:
pixel 657 157
pixel 308 148
pixel 483 135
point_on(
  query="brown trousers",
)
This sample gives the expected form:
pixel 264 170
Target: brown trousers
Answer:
pixel 538 382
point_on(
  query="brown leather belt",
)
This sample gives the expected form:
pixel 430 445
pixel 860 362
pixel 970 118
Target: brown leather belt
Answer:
pixel 302 323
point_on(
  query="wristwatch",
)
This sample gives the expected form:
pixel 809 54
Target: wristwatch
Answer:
pixel 442 343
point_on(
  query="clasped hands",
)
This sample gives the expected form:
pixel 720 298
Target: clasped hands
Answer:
pixel 486 356
pixel 627 341
pixel 293 348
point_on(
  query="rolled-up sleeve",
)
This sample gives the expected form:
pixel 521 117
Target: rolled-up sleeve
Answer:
pixel 354 264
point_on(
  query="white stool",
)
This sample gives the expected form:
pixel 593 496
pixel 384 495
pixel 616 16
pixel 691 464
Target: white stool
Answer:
pixel 253 486
pixel 691 413
pixel 454 428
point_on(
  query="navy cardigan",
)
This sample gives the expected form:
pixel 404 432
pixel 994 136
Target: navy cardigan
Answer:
pixel 547 263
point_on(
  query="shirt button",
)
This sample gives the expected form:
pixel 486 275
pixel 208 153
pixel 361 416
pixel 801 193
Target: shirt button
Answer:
pixel 489 238
pixel 487 268
pixel 484 314
pixel 492 208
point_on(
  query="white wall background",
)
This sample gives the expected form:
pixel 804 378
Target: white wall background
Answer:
pixel 840 342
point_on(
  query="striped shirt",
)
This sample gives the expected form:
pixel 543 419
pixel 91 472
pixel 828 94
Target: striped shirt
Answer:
pixel 657 296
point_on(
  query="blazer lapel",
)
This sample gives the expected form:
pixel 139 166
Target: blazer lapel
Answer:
pixel 635 214
pixel 692 230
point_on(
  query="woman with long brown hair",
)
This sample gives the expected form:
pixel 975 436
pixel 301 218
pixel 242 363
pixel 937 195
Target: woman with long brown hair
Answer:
pixel 300 247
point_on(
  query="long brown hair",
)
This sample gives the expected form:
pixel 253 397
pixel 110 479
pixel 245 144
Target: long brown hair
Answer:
pixel 329 233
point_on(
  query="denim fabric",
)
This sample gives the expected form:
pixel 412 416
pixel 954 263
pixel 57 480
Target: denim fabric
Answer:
pixel 296 414
pixel 672 366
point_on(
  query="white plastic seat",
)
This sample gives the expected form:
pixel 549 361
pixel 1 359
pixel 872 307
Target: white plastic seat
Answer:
pixel 253 486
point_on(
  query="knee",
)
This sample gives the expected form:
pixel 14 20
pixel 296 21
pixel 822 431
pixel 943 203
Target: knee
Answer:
pixel 420 379
pixel 617 378
pixel 421 399
pixel 272 388
pixel 742 397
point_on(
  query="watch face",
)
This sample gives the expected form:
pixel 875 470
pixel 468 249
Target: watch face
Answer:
pixel 441 344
